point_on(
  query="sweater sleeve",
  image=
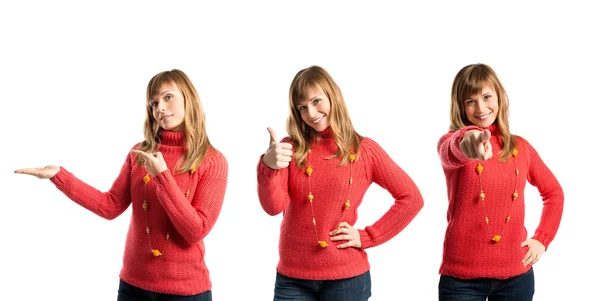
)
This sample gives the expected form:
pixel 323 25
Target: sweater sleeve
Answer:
pixel 382 170
pixel 272 187
pixel 540 176
pixel 449 148
pixel 109 204
pixel 194 220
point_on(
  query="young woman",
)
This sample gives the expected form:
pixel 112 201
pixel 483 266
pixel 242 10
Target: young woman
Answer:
pixel 175 181
pixel 487 252
pixel 318 176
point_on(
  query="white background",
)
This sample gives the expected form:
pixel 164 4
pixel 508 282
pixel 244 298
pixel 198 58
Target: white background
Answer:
pixel 73 78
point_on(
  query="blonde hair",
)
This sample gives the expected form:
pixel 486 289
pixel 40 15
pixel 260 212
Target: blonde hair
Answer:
pixel 196 140
pixel 471 80
pixel 301 134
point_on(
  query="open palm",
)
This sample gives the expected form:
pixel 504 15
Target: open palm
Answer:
pixel 42 173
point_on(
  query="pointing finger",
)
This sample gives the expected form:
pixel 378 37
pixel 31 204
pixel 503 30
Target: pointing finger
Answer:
pixel 141 153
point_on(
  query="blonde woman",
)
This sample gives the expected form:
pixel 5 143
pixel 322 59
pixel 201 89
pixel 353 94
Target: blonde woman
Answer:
pixel 175 182
pixel 317 176
pixel 487 253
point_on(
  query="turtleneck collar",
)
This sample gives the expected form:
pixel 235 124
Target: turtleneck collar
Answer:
pixel 324 139
pixel 493 129
pixel 172 138
pixel 325 134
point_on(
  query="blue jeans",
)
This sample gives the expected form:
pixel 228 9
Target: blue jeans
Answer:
pixel 518 288
pixel 351 289
pixel 128 292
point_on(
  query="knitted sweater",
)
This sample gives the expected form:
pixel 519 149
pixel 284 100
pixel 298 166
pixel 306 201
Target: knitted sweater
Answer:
pixel 469 251
pixel 286 190
pixel 181 269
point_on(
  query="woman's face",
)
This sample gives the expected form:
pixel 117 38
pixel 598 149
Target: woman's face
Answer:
pixel 314 109
pixel 168 107
pixel 482 109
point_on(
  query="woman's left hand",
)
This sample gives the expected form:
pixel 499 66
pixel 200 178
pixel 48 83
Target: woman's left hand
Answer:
pixel 154 163
pixel 535 251
pixel 346 232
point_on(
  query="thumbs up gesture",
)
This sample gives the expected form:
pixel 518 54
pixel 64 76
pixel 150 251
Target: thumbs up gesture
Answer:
pixel 278 155
pixel 476 145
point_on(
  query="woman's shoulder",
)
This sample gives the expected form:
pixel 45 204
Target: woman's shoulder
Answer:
pixel 368 142
pixel 370 146
pixel 213 154
pixel 522 143
pixel 137 145
pixel 215 163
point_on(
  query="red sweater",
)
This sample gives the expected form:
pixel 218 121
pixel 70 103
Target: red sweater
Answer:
pixel 181 269
pixel 468 249
pixel 286 189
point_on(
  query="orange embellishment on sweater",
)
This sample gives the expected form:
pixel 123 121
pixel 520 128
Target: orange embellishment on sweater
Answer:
pixel 145 206
pixel 309 171
pixel 515 195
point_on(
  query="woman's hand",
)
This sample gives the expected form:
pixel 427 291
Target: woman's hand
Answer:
pixel 154 163
pixel 47 172
pixel 278 155
pixel 476 145
pixel 535 251
pixel 346 232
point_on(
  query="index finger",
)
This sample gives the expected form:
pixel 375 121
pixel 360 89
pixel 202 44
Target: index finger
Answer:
pixel 141 153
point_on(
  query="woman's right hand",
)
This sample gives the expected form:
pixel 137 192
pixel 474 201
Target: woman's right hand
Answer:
pixel 42 173
pixel 278 155
pixel 476 145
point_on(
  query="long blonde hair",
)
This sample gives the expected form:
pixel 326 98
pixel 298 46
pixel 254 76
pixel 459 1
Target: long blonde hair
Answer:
pixel 346 138
pixel 471 80
pixel 196 140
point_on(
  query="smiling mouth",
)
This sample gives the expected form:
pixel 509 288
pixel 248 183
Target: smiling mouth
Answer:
pixel 484 117
pixel 318 120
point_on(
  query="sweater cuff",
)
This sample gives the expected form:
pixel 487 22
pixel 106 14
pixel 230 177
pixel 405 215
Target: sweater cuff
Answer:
pixel 265 170
pixel 365 239
pixel 60 178
pixel 163 176
pixel 543 238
